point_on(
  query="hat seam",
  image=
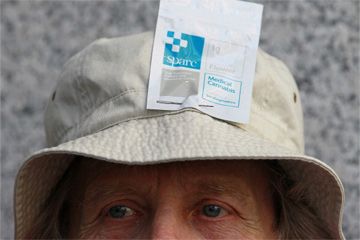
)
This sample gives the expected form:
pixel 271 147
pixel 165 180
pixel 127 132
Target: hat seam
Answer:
pixel 77 59
pixel 60 139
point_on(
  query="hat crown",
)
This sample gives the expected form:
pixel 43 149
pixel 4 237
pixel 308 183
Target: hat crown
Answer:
pixel 106 83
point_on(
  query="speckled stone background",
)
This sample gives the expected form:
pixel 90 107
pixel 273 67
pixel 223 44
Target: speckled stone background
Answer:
pixel 318 39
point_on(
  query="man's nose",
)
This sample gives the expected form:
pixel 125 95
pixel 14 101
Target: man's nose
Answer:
pixel 168 224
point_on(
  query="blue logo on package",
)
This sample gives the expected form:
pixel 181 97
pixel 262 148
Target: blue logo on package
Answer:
pixel 222 90
pixel 183 50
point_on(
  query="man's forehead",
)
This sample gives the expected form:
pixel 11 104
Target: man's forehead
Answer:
pixel 204 173
pixel 204 166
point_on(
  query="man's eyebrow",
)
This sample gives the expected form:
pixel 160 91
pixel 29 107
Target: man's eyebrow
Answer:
pixel 100 192
pixel 221 188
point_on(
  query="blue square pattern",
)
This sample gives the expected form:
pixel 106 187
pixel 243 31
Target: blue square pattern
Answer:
pixel 176 41
pixel 185 52
pixel 170 34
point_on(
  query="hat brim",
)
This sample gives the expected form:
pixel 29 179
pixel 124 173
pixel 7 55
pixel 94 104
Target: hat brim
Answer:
pixel 182 136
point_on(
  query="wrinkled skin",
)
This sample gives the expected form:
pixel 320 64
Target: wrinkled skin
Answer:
pixel 193 200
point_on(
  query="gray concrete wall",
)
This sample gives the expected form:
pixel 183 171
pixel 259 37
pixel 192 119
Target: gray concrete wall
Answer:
pixel 318 39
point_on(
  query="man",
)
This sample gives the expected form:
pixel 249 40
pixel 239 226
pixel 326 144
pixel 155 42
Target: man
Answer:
pixel 117 170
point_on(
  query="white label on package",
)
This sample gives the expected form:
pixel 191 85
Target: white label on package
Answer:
pixel 204 57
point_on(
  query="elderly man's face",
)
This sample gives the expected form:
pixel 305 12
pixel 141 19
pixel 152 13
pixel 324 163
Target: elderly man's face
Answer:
pixel 193 200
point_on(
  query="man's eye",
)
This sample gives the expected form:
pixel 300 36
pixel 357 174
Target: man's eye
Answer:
pixel 213 211
pixel 120 211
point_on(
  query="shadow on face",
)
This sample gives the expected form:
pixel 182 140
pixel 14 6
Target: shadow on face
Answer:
pixel 189 200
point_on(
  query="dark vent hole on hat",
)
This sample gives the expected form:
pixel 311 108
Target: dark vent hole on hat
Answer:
pixel 294 97
pixel 53 96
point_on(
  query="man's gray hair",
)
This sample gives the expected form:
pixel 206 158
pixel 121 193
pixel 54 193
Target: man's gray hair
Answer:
pixel 294 219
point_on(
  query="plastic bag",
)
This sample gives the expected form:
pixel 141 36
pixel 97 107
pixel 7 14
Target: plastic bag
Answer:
pixel 204 57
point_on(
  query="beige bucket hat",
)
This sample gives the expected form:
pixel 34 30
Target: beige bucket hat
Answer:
pixel 98 110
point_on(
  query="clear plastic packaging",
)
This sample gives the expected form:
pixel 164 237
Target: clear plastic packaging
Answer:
pixel 204 57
